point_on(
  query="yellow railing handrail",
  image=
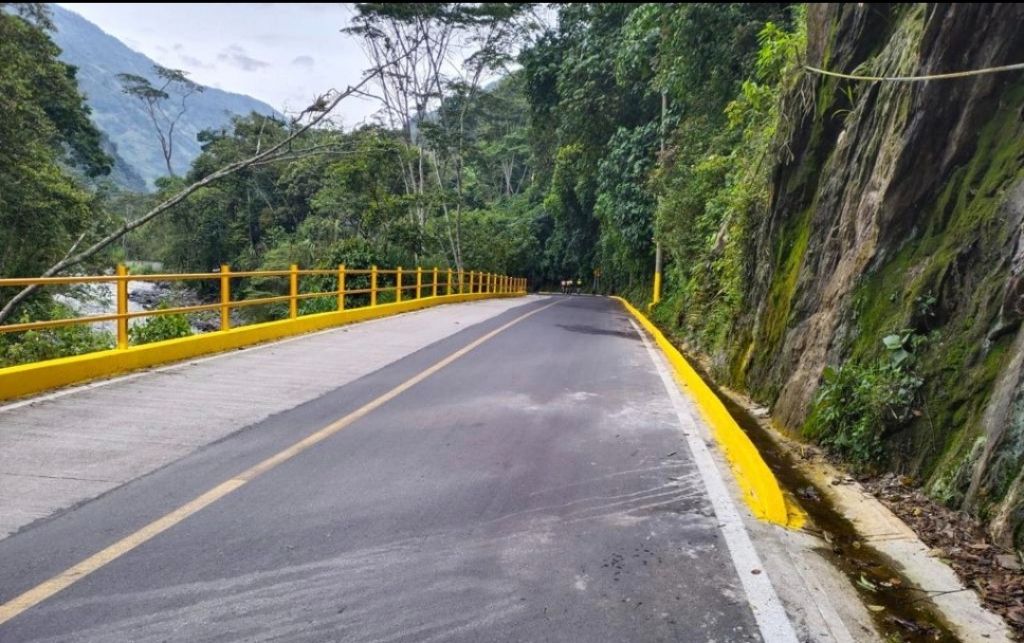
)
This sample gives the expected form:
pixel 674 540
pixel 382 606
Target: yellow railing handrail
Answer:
pixel 432 280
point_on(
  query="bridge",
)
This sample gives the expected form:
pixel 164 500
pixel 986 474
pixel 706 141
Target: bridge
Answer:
pixel 467 463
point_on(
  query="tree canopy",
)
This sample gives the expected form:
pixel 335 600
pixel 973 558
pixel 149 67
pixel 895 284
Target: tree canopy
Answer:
pixel 47 145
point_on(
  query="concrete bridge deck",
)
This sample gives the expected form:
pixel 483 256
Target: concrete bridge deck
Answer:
pixel 61 449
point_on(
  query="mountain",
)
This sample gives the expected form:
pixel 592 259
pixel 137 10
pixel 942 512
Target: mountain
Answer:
pixel 99 58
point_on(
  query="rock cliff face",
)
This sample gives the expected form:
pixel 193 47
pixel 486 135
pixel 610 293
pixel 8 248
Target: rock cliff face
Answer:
pixel 901 207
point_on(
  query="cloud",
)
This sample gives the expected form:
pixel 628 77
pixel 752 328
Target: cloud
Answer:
pixel 277 39
pixel 235 55
pixel 318 7
pixel 192 62
pixel 304 61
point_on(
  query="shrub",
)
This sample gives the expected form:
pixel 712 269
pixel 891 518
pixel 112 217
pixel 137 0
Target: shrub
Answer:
pixel 858 405
pixel 38 345
pixel 159 328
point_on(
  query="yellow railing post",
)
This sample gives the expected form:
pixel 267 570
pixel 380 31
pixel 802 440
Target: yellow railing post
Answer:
pixel 341 287
pixel 656 295
pixel 373 286
pixel 419 281
pixel 448 291
pixel 471 282
pixel 490 283
pixel 225 296
pixel 293 291
pixel 433 291
pixel 122 306
pixel 398 284
pixel 462 281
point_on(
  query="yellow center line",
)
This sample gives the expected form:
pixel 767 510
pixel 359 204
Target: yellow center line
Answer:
pixel 48 588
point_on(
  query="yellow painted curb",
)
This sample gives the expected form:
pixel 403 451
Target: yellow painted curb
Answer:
pixel 27 379
pixel 760 489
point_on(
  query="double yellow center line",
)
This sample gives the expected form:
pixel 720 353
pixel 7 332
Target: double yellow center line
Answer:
pixel 48 588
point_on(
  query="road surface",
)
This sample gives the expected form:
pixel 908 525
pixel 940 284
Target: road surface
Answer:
pixel 538 486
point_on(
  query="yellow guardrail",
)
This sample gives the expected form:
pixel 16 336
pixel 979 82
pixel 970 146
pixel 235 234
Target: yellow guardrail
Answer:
pixel 760 488
pixel 425 287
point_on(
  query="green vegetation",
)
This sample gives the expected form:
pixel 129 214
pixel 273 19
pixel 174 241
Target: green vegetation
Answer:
pixel 46 143
pixel 859 405
pixel 38 345
pixel 50 154
pixel 159 328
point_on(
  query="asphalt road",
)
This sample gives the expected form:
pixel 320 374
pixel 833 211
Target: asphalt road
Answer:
pixel 537 488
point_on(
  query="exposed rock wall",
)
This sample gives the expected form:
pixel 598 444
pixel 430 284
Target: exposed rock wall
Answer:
pixel 902 207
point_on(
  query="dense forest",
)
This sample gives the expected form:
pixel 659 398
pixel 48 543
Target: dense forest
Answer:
pixel 847 252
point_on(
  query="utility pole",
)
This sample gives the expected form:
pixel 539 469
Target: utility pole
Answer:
pixel 656 296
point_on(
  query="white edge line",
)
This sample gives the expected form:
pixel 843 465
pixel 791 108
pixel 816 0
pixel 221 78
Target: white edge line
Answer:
pixel 76 388
pixel 771 618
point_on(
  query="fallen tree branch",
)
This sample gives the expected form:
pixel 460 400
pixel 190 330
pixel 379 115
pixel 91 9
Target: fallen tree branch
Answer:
pixel 320 109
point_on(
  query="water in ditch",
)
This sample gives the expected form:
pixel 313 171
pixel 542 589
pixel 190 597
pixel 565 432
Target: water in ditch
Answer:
pixel 900 610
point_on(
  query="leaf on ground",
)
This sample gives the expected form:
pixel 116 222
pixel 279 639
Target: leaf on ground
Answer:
pixel 866 584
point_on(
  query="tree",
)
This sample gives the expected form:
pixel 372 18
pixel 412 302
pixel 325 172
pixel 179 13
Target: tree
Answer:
pixel 157 98
pixel 48 146
pixel 429 57
pixel 283 149
pixel 578 102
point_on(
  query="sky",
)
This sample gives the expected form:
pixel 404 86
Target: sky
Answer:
pixel 284 55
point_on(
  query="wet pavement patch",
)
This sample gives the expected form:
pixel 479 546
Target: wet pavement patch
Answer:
pixel 593 330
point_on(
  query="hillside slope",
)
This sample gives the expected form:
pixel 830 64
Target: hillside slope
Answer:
pixel 99 57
